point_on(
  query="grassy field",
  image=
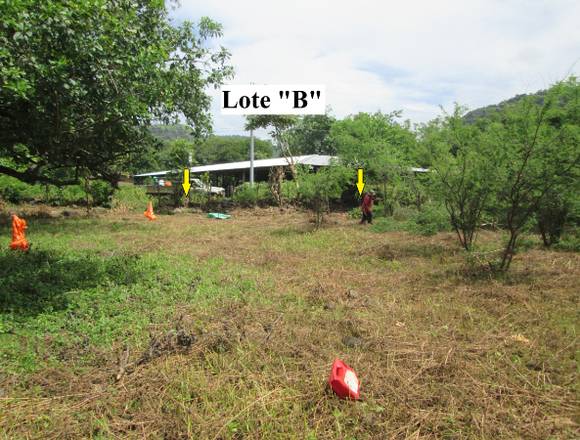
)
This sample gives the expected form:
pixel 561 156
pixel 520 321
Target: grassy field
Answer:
pixel 115 327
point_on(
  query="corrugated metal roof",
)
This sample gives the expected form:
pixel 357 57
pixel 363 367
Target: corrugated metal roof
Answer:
pixel 317 160
pixel 312 159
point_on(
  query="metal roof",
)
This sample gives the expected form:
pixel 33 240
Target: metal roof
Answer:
pixel 311 159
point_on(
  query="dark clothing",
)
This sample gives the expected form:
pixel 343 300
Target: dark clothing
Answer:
pixel 367 209
pixel 367 217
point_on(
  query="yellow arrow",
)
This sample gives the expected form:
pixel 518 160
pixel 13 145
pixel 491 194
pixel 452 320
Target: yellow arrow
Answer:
pixel 360 184
pixel 186 185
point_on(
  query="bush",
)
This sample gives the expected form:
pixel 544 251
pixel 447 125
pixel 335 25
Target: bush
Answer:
pixel 289 191
pixel 100 192
pixel 247 196
pixel 129 198
pixel 15 191
pixel 431 219
pixel 316 190
pixel 387 224
pixel 570 241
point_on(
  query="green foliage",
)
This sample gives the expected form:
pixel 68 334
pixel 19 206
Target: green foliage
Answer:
pixel 219 149
pixel 520 162
pixel 375 142
pixel 311 135
pixel 67 107
pixel 14 191
pixel 316 190
pixel 96 192
pixel 176 154
pixel 129 198
pixel 570 241
pixel 248 196
pixel 553 212
pixel 431 219
pixel 540 152
pixel 380 145
pixel 99 192
pixel 386 224
pixel 176 144
pixel 464 172
pixel 279 126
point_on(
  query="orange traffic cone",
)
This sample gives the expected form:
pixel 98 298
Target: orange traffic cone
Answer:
pixel 149 212
pixel 18 238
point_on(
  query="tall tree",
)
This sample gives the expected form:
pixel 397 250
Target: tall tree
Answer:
pixel 311 135
pixel 464 171
pixel 80 80
pixel 540 151
pixel 378 143
pixel 279 126
pixel 217 149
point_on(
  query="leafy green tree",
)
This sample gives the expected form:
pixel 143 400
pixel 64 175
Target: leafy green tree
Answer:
pixel 464 167
pixel 218 149
pixel 279 126
pixel 540 151
pixel 81 80
pixel 316 190
pixel 377 143
pixel 311 135
pixel 554 211
pixel 176 154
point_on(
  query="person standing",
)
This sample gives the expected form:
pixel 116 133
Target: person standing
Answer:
pixel 367 207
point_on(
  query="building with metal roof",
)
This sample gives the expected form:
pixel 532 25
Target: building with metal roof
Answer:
pixel 239 171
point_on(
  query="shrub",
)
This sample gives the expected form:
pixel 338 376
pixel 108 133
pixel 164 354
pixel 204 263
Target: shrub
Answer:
pixel 315 190
pixel 100 192
pixel 129 198
pixel 387 224
pixel 431 219
pixel 570 241
pixel 15 191
pixel 247 195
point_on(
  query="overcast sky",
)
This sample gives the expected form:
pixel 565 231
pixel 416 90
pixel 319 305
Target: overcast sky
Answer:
pixel 408 55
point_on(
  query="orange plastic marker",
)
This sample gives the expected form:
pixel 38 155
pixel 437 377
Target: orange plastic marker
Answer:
pixel 18 237
pixel 149 212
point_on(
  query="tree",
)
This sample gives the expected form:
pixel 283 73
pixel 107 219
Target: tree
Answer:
pixel 279 126
pixel 540 151
pixel 377 143
pixel 218 149
pixel 176 154
pixel 311 135
pixel 317 189
pixel 80 81
pixel 463 170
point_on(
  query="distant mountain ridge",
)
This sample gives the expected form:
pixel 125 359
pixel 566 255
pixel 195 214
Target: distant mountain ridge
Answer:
pixel 482 112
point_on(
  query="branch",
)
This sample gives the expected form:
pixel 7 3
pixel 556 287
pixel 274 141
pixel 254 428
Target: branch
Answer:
pixel 32 175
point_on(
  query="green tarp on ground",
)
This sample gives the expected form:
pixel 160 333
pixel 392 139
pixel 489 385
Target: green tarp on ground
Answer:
pixel 218 215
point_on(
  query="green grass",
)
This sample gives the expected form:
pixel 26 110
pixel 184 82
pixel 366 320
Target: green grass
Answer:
pixel 229 330
pixel 78 299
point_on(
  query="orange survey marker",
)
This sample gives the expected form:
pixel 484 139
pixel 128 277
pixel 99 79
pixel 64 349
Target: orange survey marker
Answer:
pixel 149 212
pixel 18 238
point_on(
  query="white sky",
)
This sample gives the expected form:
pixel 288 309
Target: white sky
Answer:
pixel 410 55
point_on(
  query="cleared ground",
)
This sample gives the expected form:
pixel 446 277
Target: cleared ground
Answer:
pixel 115 327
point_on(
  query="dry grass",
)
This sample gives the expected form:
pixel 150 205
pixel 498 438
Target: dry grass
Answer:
pixel 440 354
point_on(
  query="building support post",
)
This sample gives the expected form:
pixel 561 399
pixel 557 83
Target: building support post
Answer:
pixel 251 157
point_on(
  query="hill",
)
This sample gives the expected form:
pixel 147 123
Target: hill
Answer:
pixel 483 112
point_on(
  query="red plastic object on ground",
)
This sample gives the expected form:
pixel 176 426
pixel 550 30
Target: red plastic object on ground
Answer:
pixel 18 238
pixel 343 381
pixel 149 212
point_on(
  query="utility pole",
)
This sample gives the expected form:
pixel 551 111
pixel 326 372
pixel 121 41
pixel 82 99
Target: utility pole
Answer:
pixel 251 157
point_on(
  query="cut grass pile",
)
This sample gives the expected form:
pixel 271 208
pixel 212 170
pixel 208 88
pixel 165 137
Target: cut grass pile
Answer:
pixel 187 327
